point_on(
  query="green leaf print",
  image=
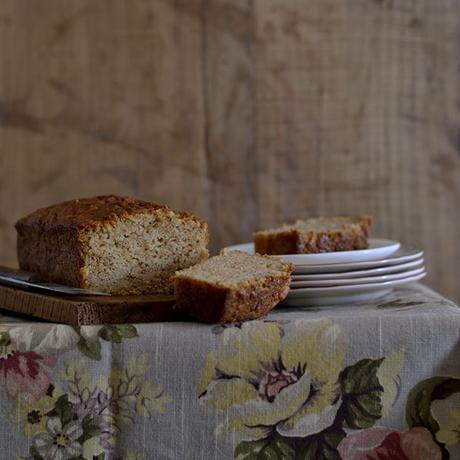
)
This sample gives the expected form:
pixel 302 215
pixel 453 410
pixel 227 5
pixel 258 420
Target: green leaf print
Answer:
pixel 90 348
pixel 117 333
pixel 322 446
pixel 34 453
pixel 127 331
pixel 4 339
pixel 64 409
pixel 284 448
pixel 249 450
pixel 110 334
pixel 277 448
pixel 418 407
pixel 90 429
pixel 362 391
pixel 317 451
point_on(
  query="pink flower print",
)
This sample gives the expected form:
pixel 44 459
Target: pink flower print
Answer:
pixel 380 443
pixel 24 372
pixel 274 382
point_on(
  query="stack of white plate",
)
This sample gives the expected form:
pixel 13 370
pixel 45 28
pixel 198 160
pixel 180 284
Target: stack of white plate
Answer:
pixel 333 278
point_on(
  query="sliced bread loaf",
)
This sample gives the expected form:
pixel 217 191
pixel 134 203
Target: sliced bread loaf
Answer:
pixel 233 286
pixel 320 234
pixel 111 244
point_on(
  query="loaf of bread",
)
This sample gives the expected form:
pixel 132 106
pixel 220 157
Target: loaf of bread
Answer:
pixel 111 244
pixel 314 235
pixel 233 286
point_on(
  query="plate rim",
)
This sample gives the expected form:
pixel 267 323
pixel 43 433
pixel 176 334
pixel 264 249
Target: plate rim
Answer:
pixel 418 253
pixel 365 279
pixel 335 301
pixel 371 286
pixel 387 262
pixel 383 269
pixel 388 245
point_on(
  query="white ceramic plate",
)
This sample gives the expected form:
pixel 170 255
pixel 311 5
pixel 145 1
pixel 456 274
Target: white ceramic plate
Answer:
pixel 357 281
pixel 397 258
pixel 359 273
pixel 378 249
pixel 338 295
pixel 336 300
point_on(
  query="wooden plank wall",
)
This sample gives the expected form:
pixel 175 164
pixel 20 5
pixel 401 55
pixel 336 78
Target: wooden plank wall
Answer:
pixel 247 112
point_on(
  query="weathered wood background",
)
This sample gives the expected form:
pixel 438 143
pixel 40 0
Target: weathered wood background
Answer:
pixel 249 113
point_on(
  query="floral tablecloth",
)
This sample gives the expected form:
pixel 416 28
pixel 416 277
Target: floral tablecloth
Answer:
pixel 378 381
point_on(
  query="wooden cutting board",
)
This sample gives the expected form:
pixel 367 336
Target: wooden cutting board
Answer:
pixel 78 311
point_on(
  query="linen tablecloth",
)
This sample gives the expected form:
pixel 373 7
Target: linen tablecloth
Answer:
pixel 374 381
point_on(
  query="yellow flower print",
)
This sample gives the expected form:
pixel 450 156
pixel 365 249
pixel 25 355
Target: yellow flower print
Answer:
pixel 130 455
pixel 132 385
pixel 91 448
pixel 31 413
pixel 117 396
pixel 274 381
pixel 449 432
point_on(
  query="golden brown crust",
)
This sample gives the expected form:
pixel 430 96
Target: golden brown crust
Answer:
pixel 89 212
pixel 296 241
pixel 211 303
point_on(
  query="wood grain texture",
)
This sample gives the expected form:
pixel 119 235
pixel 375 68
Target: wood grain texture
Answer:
pixel 246 112
pixel 79 311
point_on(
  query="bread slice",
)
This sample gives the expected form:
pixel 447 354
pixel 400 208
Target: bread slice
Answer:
pixel 321 234
pixel 111 244
pixel 233 286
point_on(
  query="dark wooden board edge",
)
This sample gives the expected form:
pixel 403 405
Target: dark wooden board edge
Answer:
pixel 78 311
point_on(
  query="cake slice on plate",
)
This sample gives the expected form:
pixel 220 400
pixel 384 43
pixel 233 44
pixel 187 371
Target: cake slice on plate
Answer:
pixel 321 234
pixel 233 286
